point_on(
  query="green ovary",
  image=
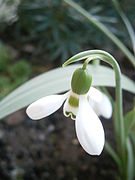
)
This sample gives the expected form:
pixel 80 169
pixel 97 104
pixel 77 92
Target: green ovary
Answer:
pixel 73 101
pixel 81 81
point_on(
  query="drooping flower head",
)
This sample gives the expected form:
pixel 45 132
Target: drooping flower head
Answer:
pixel 83 104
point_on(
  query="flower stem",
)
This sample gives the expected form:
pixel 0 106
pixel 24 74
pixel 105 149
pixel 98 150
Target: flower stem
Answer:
pixel 119 108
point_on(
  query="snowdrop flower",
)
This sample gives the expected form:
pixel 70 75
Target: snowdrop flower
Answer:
pixel 84 104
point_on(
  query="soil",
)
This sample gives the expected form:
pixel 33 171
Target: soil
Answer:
pixel 48 149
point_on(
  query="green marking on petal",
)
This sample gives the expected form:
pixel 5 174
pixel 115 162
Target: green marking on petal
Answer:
pixel 73 116
pixel 73 101
pixel 70 114
pixel 67 113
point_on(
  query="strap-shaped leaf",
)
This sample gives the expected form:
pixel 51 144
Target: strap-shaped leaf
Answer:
pixel 100 26
pixel 130 159
pixel 57 81
pixel 129 121
pixel 126 22
pixel 113 153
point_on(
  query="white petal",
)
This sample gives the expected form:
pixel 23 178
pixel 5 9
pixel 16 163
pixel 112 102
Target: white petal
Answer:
pixel 89 129
pixel 100 103
pixel 45 106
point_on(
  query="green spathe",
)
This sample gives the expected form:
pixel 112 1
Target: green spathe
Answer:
pixel 81 81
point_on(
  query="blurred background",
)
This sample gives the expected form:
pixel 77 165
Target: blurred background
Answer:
pixel 36 36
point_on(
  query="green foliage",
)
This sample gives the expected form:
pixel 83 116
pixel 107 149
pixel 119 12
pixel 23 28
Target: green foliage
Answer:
pixel 132 135
pixel 127 23
pixel 100 26
pixel 130 160
pixel 21 70
pixel 49 24
pixel 4 58
pixel 4 86
pixel 12 74
pixel 59 32
pixel 129 120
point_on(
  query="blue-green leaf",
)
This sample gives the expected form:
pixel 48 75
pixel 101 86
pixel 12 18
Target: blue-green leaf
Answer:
pixel 129 121
pixel 56 81
pixel 130 160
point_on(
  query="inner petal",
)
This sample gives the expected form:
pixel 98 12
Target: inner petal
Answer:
pixel 71 106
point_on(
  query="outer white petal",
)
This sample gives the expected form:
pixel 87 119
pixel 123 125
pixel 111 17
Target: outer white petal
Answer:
pixel 45 106
pixel 100 103
pixel 89 129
